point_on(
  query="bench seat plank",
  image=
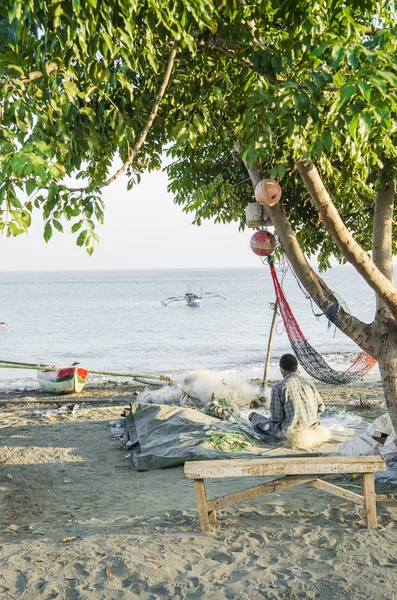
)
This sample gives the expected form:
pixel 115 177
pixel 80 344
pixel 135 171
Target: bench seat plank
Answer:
pixel 262 467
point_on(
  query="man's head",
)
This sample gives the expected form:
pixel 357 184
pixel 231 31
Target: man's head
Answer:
pixel 288 364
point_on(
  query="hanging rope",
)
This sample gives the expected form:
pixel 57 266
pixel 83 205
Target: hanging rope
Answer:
pixel 313 363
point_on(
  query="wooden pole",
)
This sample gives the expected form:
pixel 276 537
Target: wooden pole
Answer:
pixel 269 347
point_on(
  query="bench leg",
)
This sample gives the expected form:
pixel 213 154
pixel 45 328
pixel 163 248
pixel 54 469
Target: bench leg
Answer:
pixel 202 505
pixel 368 490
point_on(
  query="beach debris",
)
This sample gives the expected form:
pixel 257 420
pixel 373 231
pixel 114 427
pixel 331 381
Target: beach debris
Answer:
pixel 62 411
pixel 379 436
pixel 66 540
pixel 221 409
pixel 12 527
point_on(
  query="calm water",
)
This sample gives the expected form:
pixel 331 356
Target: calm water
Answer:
pixel 113 320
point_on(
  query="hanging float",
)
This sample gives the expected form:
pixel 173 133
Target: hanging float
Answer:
pixel 263 243
pixel 267 192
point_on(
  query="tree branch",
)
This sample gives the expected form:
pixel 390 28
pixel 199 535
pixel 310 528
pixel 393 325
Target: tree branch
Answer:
pixel 34 75
pixel 147 127
pixel 383 223
pixel 348 246
pixel 382 232
pixel 231 54
pixel 359 332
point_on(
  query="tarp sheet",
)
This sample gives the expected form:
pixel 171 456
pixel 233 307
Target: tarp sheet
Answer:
pixel 167 436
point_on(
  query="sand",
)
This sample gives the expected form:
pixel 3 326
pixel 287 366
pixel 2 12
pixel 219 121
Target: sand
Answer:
pixel 78 522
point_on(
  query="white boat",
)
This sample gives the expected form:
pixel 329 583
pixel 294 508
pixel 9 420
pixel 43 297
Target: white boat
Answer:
pixel 192 298
pixel 62 380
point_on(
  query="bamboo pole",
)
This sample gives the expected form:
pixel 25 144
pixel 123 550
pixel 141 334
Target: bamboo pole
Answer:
pixel 269 347
pixel 33 368
pixel 8 364
pixel 26 364
pixel 133 375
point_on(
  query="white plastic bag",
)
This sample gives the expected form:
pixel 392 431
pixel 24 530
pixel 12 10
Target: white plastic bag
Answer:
pixel 382 424
pixel 360 445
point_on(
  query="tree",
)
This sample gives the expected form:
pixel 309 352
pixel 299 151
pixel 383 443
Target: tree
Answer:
pixel 232 92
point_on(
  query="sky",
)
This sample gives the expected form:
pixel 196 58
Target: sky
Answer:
pixel 143 229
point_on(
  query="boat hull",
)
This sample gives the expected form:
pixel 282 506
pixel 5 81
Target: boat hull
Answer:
pixel 67 380
pixel 193 300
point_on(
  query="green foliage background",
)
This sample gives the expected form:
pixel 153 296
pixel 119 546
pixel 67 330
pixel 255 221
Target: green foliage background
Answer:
pixel 78 80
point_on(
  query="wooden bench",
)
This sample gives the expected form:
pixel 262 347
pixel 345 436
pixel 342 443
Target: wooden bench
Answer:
pixel 294 471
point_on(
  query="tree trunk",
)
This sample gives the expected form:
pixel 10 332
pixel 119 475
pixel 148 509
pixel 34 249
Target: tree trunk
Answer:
pixel 382 253
pixel 388 369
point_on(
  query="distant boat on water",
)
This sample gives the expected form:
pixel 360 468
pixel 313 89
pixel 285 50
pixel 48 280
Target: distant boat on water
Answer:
pixel 62 380
pixel 192 297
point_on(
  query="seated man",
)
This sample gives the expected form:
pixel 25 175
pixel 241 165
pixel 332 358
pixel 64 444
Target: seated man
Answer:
pixel 295 403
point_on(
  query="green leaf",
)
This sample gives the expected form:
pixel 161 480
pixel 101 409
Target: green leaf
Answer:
pixel 82 237
pixel 383 111
pixel 353 124
pixel 379 83
pixel 327 140
pixel 388 76
pixel 365 124
pixel 365 90
pixel 337 55
pixel 77 226
pixel 347 91
pixel 89 245
pixel 13 201
pixel 30 186
pixel 352 56
pixel 317 148
pixel 57 225
pixel 47 232
pixel 13 229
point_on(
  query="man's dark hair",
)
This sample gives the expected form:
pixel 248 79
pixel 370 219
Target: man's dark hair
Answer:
pixel 288 362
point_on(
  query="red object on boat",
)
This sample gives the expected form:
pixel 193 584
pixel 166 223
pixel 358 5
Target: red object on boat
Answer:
pixel 267 192
pixel 263 243
pixel 62 380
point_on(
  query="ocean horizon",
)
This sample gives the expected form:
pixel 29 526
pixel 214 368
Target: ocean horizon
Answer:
pixel 113 320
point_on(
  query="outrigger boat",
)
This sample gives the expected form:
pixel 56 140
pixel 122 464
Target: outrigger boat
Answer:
pixel 191 297
pixel 64 380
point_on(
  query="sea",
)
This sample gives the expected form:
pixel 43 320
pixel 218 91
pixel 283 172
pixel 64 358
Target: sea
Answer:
pixel 114 321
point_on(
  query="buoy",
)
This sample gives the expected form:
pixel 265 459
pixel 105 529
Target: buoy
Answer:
pixel 267 192
pixel 263 243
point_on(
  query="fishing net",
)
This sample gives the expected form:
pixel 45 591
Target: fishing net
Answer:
pixel 313 363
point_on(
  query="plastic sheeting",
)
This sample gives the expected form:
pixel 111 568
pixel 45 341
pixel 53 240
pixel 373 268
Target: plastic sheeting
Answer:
pixel 167 436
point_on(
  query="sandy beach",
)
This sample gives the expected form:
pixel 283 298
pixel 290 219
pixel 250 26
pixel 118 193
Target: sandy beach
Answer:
pixel 78 521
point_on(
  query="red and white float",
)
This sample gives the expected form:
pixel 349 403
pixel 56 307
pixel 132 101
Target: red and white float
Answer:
pixel 263 243
pixel 267 192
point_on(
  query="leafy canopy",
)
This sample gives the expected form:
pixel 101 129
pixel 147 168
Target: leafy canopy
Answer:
pixel 79 78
